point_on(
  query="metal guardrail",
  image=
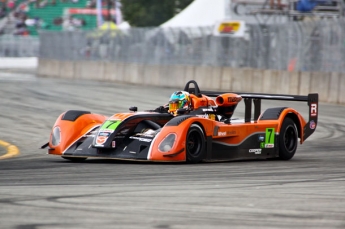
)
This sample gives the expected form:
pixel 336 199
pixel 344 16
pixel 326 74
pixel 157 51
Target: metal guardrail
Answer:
pixel 302 46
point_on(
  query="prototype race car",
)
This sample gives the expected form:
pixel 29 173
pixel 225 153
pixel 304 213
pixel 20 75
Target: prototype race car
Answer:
pixel 206 133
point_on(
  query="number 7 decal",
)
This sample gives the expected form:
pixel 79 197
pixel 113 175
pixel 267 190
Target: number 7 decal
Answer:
pixel 269 138
pixel 110 125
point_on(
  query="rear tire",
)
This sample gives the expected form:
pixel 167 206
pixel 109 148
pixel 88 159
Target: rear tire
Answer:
pixel 75 159
pixel 288 139
pixel 195 144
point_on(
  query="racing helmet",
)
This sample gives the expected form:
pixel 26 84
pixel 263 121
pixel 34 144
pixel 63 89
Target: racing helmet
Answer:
pixel 178 100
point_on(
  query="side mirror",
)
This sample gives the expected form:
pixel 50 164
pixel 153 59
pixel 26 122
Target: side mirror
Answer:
pixel 134 109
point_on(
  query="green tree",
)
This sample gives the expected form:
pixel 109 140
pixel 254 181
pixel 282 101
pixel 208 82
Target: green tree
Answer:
pixel 147 13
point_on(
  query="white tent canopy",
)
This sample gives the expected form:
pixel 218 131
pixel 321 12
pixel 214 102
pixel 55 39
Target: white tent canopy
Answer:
pixel 206 13
pixel 199 13
pixel 202 13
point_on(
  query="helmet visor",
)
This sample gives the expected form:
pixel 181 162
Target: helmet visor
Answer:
pixel 175 105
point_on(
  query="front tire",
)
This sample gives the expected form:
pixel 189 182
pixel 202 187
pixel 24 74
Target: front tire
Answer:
pixel 195 144
pixel 288 139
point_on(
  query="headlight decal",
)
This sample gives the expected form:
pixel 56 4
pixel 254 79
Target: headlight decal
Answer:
pixel 56 136
pixel 167 144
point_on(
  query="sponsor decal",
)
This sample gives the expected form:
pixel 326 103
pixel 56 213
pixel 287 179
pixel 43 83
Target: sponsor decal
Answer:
pixel 313 109
pixel 221 133
pixel 203 116
pixel 255 151
pixel 89 135
pixel 141 139
pixel 312 125
pixel 262 145
pixel 229 27
pixel 100 140
pixel 132 152
pixel 261 138
pixel 150 135
pixel 269 145
pixel 234 99
pixel 208 109
pixel 104 134
pixel 232 28
pixel 227 133
pixel 233 132
pixel 147 133
pixel 113 144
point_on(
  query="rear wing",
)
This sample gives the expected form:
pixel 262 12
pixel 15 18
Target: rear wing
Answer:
pixel 255 98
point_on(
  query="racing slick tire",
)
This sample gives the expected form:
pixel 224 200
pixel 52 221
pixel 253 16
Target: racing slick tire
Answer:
pixel 195 144
pixel 288 139
pixel 75 159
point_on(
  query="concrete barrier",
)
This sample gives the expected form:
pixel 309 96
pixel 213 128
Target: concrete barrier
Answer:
pixel 67 69
pixel 319 83
pixel 132 73
pixel 330 86
pixel 226 80
pixel 170 76
pixel 203 76
pixel 294 79
pixel 304 85
pixel 89 70
pixel 341 91
pixel 238 80
pixel 109 71
pixel 247 80
pixel 272 82
pixel 257 81
pixel 50 68
pixel 42 66
pixel 283 83
pixel 189 72
pixel 151 76
pixel 119 72
pixel 334 86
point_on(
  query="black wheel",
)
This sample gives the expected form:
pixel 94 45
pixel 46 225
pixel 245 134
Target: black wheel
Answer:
pixel 75 159
pixel 288 139
pixel 195 144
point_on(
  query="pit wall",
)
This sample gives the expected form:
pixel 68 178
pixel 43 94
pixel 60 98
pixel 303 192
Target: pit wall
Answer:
pixel 330 86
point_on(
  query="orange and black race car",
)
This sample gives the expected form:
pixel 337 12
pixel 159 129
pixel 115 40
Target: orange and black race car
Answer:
pixel 206 133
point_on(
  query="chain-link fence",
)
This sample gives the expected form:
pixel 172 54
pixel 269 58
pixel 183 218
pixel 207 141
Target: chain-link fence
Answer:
pixel 304 46
pixel 19 46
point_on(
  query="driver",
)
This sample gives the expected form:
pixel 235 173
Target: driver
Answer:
pixel 179 103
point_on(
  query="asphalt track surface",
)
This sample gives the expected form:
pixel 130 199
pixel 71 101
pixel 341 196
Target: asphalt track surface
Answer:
pixel 43 191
